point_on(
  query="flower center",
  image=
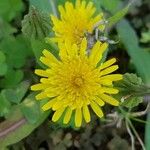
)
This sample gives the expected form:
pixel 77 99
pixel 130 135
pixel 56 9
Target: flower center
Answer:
pixel 78 81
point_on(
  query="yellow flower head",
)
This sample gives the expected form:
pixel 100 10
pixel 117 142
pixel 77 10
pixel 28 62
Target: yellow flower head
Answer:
pixel 74 83
pixel 75 21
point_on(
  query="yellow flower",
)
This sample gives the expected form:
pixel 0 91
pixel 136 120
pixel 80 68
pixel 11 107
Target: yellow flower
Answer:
pixel 75 21
pixel 74 83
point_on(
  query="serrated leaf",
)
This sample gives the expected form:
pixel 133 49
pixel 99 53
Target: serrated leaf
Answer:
pixel 132 102
pixel 131 89
pixel 36 24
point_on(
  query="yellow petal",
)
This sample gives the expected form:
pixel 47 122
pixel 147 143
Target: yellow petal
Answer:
pixel 49 105
pixel 108 63
pixel 86 114
pixel 99 101
pixel 42 73
pixel 97 109
pixel 105 82
pixel 96 52
pixel 109 99
pixel 67 116
pixel 40 96
pixel 78 117
pixel 57 105
pixel 50 56
pixel 109 70
pixel 39 86
pixel 78 3
pixel 46 61
pixel 58 114
pixel 113 77
pixel 109 90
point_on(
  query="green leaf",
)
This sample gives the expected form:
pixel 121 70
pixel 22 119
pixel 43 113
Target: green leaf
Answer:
pixel 17 94
pixel 16 127
pixel 4 106
pixel 10 8
pixel 132 102
pixel 132 90
pixel 118 16
pixel 6 29
pixel 43 6
pixel 2 57
pixel 110 6
pixel 36 24
pixel 12 78
pixel 145 37
pixel 3 69
pixel 31 109
pixel 130 40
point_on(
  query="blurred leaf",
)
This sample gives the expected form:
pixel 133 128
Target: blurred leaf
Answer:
pixel 6 29
pixel 110 6
pixel 2 57
pixel 16 127
pixel 145 37
pixel 3 69
pixel 15 95
pixel 10 8
pixel 118 143
pixel 31 109
pixel 130 40
pixel 16 49
pixel 118 16
pixel 4 106
pixel 12 78
pixel 43 5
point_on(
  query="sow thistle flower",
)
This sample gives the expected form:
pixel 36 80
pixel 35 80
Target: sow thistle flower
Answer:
pixel 75 84
pixel 75 21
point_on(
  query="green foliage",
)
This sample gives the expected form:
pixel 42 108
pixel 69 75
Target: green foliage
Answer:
pixel 16 127
pixel 118 16
pixel 5 106
pixel 130 40
pixel 36 24
pixel 21 114
pixel 132 90
pixel 31 109
pixel 16 95
pixel 10 9
pixel 6 29
pixel 145 37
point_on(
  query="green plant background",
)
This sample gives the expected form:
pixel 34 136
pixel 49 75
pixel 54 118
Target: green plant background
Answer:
pixel 23 125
